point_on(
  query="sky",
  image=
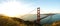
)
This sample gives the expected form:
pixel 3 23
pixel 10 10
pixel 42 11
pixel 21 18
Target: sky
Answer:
pixel 50 6
pixel 21 7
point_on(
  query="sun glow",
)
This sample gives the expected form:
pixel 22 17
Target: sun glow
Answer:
pixel 12 8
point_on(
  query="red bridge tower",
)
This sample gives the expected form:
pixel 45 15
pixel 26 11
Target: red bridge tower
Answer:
pixel 38 15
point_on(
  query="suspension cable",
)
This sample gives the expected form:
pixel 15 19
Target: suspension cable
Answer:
pixel 28 12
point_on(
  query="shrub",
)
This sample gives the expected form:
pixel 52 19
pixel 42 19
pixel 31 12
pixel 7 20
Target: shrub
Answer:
pixel 7 21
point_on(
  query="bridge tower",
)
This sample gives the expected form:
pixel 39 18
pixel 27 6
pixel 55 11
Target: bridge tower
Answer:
pixel 38 15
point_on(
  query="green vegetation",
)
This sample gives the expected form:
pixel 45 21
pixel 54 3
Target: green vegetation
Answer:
pixel 7 21
pixel 56 23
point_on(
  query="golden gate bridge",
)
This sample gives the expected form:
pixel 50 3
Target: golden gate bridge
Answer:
pixel 38 16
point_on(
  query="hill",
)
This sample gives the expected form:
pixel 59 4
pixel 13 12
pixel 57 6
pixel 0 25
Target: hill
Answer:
pixel 7 21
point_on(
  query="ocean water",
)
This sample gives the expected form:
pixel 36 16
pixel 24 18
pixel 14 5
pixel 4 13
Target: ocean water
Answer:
pixel 49 19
